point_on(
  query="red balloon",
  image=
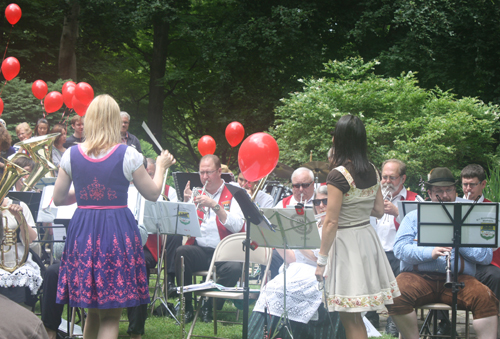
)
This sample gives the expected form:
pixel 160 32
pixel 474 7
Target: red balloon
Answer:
pixel 234 133
pixel 66 85
pixel 79 108
pixel 10 68
pixel 39 89
pixel 84 93
pixel 206 145
pixel 1 106
pixel 13 13
pixel 53 101
pixel 258 156
pixel 68 95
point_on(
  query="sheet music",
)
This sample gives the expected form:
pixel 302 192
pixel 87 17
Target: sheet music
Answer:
pixel 294 230
pixel 171 217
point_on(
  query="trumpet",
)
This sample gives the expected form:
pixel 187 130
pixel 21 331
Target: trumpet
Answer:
pixel 449 280
pixel 197 192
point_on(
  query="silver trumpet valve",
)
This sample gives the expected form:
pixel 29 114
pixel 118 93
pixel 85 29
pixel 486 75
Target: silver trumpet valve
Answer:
pixel 387 195
pixel 197 191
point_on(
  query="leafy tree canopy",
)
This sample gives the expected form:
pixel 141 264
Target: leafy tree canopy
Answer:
pixel 424 128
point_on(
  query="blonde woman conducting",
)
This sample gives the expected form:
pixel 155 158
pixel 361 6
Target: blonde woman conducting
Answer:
pixel 103 267
pixel 351 262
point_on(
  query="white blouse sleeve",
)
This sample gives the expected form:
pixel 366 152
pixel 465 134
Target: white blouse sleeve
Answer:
pixel 66 162
pixel 131 162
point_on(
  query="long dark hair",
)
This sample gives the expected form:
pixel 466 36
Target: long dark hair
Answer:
pixel 350 144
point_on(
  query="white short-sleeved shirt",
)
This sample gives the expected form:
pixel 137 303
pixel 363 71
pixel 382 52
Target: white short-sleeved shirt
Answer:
pixel 131 161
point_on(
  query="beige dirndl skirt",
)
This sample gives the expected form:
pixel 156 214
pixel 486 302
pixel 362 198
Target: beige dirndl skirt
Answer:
pixel 359 277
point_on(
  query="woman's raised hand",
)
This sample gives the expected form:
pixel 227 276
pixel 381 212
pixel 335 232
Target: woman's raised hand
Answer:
pixel 165 160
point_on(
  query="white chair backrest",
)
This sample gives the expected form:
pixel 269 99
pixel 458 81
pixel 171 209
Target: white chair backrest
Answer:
pixel 231 249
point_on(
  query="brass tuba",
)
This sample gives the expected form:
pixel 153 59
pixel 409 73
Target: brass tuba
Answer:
pixel 12 173
pixel 40 150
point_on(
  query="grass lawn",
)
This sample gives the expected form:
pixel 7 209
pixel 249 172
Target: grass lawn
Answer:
pixel 165 327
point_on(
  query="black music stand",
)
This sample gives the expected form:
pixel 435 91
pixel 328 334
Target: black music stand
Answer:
pixel 165 217
pixel 290 229
pixel 456 225
pixel 252 215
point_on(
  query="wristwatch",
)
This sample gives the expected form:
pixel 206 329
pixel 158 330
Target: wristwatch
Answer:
pixel 216 208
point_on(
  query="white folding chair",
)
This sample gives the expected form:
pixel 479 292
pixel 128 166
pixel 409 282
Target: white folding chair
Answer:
pixel 231 249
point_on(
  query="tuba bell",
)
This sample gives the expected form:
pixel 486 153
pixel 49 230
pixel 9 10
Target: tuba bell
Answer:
pixel 40 150
pixel 12 173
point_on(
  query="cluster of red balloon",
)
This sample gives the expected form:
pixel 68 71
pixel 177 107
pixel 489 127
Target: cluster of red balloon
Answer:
pixel 75 96
pixel 258 154
pixel 11 66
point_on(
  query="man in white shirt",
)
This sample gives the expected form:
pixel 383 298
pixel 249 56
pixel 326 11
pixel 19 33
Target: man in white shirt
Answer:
pixel 302 188
pixel 393 179
pixel 223 216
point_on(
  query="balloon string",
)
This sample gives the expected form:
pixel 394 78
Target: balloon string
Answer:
pixel 230 153
pixel 6 47
pixel 5 83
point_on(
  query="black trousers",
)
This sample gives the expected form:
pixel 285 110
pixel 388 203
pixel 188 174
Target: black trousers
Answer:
pixel 197 258
pixel 173 242
pixel 490 276
pixel 51 311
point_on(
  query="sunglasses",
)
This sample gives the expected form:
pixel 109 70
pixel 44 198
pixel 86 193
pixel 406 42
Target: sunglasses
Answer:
pixel 317 202
pixel 303 185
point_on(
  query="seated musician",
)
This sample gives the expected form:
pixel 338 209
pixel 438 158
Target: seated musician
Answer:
pixel 223 217
pixel 262 199
pixel 23 283
pixel 422 276
pixel 302 188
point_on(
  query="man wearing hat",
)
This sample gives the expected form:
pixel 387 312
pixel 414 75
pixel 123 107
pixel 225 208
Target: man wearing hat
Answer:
pixel 423 271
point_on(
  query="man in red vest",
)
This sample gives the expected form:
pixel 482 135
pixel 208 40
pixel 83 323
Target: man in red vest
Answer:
pixel 393 179
pixel 223 217
pixel 473 183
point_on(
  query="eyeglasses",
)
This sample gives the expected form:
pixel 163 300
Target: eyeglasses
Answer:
pixel 448 191
pixel 317 202
pixel 207 172
pixel 470 184
pixel 390 177
pixel 303 185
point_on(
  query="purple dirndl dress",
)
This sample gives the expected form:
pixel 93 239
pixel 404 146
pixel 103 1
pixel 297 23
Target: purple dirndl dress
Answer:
pixel 103 261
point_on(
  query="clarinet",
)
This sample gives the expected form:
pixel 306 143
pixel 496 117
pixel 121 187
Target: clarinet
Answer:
pixel 266 334
pixel 449 281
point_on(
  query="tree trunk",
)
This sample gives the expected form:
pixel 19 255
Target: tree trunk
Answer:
pixel 157 72
pixel 67 55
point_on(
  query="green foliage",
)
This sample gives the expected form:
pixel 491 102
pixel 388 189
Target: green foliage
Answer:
pixel 424 128
pixel 492 189
pixel 147 149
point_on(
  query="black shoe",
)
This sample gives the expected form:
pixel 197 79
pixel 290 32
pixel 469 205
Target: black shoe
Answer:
pixel 171 290
pixel 188 315
pixel 444 328
pixel 391 329
pixel 206 315
pixel 206 311
pixel 374 318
